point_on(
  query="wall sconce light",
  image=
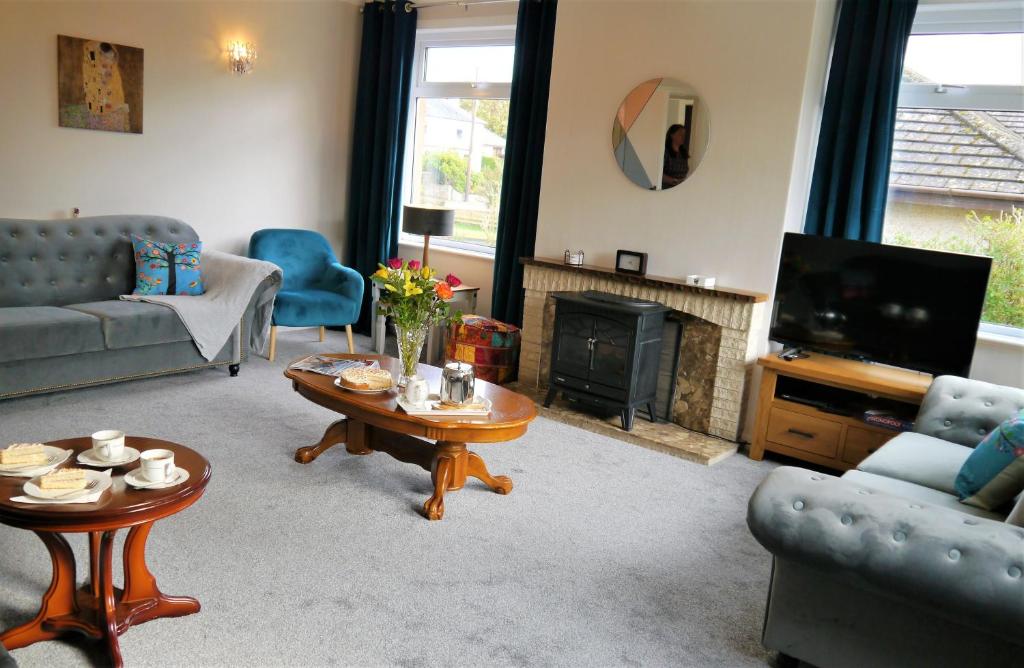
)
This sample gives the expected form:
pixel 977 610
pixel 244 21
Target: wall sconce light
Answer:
pixel 241 56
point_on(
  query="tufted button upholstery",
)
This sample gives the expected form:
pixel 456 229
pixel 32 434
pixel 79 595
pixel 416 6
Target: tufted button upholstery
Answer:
pixel 966 569
pixel 964 411
pixel 53 263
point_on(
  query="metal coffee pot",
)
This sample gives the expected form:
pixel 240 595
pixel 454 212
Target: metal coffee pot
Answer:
pixel 457 382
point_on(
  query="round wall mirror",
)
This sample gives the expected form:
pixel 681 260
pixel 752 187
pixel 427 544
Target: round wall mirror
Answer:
pixel 660 133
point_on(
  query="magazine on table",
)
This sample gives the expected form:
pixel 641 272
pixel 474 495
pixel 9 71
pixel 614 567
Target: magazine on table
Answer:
pixel 330 366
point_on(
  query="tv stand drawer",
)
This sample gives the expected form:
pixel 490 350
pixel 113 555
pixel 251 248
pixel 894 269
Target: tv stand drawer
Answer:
pixel 860 443
pixel 804 432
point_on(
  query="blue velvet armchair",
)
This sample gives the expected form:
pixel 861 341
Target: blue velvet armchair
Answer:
pixel 317 291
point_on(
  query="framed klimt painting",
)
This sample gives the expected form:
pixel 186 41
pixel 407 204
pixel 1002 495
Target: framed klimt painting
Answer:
pixel 99 85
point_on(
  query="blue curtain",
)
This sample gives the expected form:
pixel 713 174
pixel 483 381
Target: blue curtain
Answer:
pixel 851 169
pixel 524 155
pixel 378 139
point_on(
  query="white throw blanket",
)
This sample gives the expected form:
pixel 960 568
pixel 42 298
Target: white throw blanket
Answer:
pixel 229 281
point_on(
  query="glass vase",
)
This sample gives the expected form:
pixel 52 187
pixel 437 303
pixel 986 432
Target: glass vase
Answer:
pixel 410 345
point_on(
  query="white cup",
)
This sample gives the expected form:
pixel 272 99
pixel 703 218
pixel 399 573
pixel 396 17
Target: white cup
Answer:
pixel 158 465
pixel 108 445
pixel 417 391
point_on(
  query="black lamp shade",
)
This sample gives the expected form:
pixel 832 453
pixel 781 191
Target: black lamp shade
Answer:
pixel 425 220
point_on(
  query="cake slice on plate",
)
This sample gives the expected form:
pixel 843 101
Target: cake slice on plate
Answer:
pixel 23 454
pixel 69 479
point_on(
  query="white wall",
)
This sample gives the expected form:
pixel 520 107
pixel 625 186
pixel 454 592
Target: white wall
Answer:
pixel 227 154
pixel 748 61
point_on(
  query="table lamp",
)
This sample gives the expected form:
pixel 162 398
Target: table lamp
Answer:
pixel 426 221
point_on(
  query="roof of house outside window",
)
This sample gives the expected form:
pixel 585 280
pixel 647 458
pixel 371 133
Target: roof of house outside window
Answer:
pixel 961 153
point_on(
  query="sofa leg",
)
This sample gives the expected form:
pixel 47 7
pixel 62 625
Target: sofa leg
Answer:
pixel 233 369
pixel 351 341
pixel 783 660
pixel 273 343
pixel 323 333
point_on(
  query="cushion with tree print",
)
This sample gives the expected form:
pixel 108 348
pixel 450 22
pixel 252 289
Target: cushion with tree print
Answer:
pixel 994 473
pixel 167 269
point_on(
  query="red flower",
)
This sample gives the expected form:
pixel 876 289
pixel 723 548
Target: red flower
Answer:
pixel 452 280
pixel 414 265
pixel 395 263
pixel 443 290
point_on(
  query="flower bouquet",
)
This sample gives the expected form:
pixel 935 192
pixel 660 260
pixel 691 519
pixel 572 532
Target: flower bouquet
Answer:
pixel 415 300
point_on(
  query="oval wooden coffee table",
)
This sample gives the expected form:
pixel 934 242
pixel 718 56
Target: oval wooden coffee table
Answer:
pixel 375 422
pixel 98 609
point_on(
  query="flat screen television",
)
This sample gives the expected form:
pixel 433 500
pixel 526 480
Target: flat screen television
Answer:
pixel 906 307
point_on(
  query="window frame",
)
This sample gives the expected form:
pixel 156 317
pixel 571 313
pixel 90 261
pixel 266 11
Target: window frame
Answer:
pixel 961 19
pixel 427 38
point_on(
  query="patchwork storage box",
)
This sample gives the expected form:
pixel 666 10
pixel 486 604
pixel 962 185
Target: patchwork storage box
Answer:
pixel 492 347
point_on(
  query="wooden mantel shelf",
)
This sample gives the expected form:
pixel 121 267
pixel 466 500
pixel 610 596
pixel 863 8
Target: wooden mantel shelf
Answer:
pixel 651 281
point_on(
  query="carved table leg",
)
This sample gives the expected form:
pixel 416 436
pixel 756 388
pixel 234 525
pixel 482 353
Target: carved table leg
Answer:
pixel 452 463
pixel 140 585
pixel 448 472
pixel 359 438
pixel 499 483
pixel 440 474
pixel 59 599
pixel 335 434
pixel 94 563
pixel 106 611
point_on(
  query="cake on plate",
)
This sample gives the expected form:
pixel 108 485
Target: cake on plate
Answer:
pixel 69 479
pixel 23 454
pixel 367 379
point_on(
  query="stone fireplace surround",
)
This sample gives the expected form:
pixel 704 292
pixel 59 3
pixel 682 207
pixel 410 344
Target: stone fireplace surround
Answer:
pixel 719 342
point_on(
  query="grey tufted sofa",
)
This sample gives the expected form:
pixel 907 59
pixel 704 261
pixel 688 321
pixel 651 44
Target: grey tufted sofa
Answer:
pixel 884 566
pixel 61 323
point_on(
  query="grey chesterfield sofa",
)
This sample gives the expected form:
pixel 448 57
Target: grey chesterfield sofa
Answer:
pixel 61 323
pixel 884 566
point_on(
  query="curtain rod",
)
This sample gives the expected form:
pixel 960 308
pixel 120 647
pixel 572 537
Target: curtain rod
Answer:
pixel 465 4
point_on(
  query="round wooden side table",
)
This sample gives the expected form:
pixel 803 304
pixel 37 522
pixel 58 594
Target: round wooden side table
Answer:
pixel 98 609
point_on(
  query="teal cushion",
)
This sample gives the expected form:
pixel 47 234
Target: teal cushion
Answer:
pixel 167 269
pixel 994 473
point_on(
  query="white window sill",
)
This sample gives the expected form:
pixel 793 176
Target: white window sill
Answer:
pixel 1001 339
pixel 440 247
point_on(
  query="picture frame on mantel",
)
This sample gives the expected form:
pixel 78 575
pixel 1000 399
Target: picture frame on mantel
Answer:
pixel 631 262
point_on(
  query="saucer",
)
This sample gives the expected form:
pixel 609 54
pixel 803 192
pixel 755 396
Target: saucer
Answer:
pixel 32 488
pixel 136 480
pixel 89 458
pixel 54 456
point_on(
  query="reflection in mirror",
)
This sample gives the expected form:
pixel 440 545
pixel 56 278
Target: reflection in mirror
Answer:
pixel 660 133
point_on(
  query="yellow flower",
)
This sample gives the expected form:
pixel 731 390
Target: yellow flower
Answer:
pixel 426 272
pixel 412 289
pixel 381 273
pixel 407 275
pixel 388 286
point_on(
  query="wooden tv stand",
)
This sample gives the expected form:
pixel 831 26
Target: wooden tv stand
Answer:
pixel 823 436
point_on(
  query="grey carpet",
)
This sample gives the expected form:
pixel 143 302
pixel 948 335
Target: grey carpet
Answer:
pixel 604 553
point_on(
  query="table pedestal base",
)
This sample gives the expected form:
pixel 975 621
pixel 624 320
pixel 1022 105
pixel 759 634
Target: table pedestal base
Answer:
pixel 449 463
pixel 98 610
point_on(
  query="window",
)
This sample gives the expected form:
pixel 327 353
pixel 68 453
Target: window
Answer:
pixel 957 176
pixel 457 129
